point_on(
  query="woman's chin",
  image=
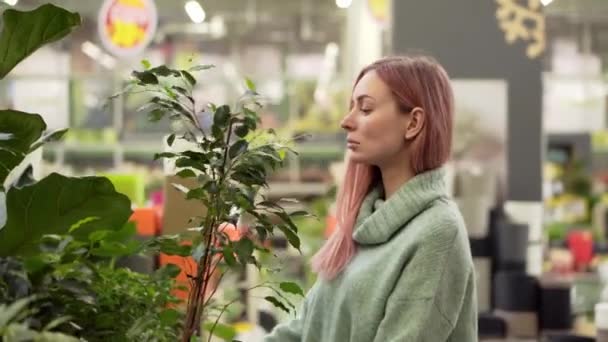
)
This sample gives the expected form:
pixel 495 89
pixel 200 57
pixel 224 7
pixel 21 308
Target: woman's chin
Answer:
pixel 358 158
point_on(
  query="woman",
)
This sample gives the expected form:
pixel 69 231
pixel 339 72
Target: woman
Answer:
pixel 399 266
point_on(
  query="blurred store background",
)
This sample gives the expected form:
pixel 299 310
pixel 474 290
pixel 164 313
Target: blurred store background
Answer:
pixel 530 163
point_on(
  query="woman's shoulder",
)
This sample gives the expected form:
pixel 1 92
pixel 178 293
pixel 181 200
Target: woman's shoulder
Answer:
pixel 441 218
pixel 441 225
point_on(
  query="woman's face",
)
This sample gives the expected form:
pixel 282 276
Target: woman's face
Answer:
pixel 376 129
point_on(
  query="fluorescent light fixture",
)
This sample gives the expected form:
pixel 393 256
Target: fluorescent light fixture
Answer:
pixel 98 55
pixel 11 2
pixel 91 50
pixel 195 11
pixel 546 2
pixel 345 3
pixel 107 61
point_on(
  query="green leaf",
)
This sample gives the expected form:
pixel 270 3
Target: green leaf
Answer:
pixel 164 71
pixel 187 162
pixel 49 137
pixel 164 155
pixel 145 77
pixel 156 115
pixel 274 301
pixel 293 288
pixel 299 213
pixel 184 92
pixel 291 236
pixel 223 331
pixel 168 271
pixel 57 322
pixel 244 249
pixel 172 246
pixel 188 76
pixel 26 178
pixel 54 204
pixel 81 223
pixel 241 131
pixel 116 249
pixel 237 148
pixel 170 139
pixel 128 231
pixel 18 131
pixel 287 220
pixel 196 193
pixel 146 64
pixel 170 93
pixel 201 67
pixel 228 254
pixel 250 84
pixel 221 116
pixel 11 311
pixel 169 317
pixel 25 32
pixel 186 173
pixel 99 235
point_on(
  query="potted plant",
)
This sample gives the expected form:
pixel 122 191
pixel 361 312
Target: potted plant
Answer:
pixel 230 159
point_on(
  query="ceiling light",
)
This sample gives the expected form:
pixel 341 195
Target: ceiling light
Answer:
pixel 546 2
pixel 91 50
pixel 344 3
pixel 98 55
pixel 195 11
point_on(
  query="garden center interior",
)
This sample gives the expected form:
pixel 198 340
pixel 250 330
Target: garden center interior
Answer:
pixel 529 167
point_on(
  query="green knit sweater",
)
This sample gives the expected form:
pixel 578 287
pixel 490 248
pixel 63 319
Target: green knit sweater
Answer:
pixel 412 277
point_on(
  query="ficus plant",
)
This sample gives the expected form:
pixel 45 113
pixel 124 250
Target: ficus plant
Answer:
pixel 231 159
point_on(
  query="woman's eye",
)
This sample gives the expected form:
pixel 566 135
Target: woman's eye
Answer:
pixel 366 110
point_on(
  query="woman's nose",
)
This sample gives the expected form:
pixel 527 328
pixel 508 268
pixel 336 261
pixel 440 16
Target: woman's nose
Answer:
pixel 347 122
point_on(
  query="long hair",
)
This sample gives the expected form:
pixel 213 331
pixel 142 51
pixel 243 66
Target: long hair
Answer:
pixel 415 81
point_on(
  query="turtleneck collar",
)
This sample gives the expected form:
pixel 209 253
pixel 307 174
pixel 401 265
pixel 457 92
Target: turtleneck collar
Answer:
pixel 379 219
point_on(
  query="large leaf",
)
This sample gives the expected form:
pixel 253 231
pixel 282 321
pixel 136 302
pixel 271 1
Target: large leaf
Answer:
pixel 54 204
pixel 25 32
pixel 18 131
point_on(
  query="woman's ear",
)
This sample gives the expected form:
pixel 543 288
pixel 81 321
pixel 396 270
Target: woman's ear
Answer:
pixel 416 123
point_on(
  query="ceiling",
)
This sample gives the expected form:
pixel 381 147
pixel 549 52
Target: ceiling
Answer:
pixel 582 21
pixel 303 24
pixel 308 25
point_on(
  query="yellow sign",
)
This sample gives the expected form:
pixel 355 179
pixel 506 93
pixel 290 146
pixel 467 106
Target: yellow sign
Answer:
pixel 126 27
pixel 379 9
pixel 525 22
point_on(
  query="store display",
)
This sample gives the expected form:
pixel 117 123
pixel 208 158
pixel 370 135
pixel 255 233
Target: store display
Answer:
pixel 519 324
pixel 491 327
pixel 515 291
pixel 601 321
pixel 475 211
pixel 511 246
pixel 540 250
pixel 555 312
pixel 483 273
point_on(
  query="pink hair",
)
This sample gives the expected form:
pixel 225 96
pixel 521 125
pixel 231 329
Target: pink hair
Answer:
pixel 415 81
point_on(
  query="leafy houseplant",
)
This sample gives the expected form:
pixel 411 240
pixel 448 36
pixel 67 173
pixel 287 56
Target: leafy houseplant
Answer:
pixel 59 236
pixel 230 159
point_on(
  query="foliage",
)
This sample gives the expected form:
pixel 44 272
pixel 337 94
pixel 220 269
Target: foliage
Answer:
pixel 230 158
pixel 13 329
pixel 60 237
pixel 77 279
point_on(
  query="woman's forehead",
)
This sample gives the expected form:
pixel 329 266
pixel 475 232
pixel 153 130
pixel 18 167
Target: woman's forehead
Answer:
pixel 370 85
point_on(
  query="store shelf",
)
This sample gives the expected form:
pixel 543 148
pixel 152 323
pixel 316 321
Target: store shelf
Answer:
pixel 297 190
